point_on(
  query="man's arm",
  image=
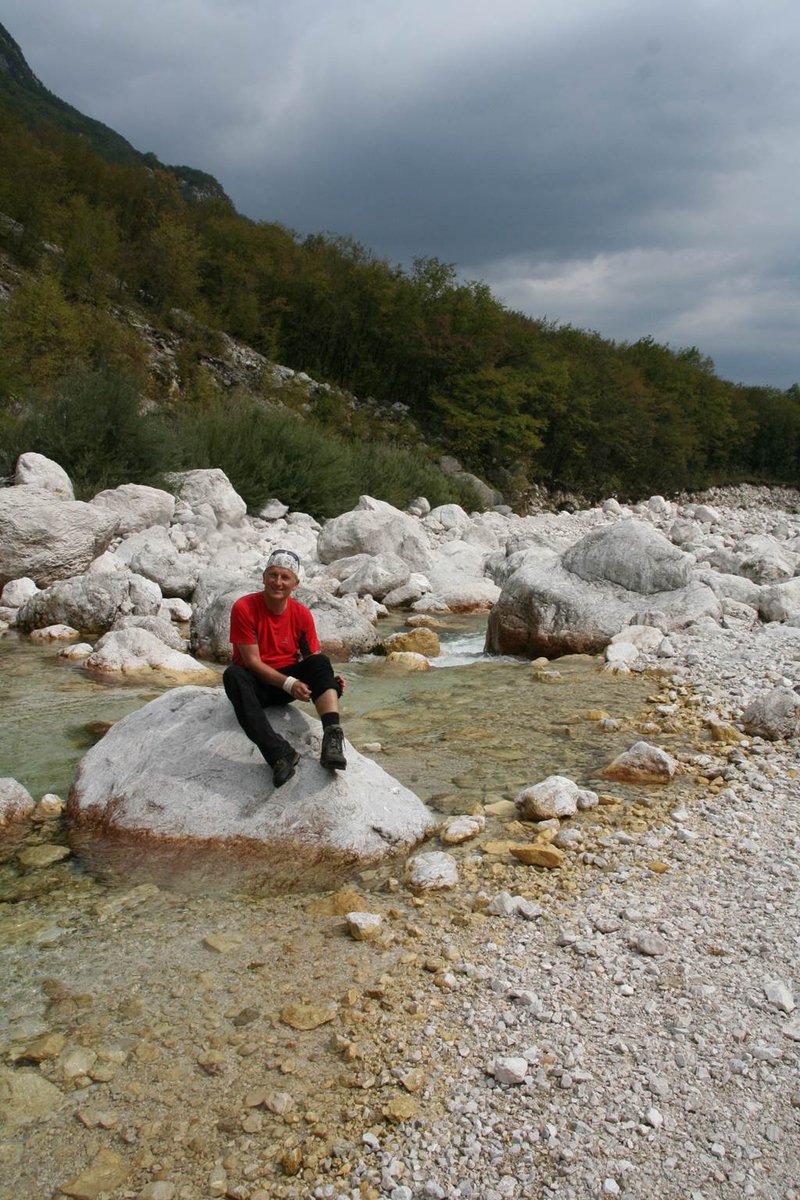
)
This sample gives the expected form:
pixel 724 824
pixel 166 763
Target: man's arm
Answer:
pixel 252 661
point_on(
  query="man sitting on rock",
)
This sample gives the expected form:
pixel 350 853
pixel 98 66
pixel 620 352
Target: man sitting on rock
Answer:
pixel 277 659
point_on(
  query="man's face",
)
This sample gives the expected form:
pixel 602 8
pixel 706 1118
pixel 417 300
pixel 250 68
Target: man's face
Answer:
pixel 279 583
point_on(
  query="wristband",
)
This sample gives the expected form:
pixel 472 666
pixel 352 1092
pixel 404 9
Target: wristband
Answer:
pixel 289 683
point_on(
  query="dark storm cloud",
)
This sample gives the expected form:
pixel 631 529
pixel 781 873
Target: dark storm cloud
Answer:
pixel 627 166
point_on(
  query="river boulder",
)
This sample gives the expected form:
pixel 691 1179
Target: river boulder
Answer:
pixel 619 575
pixel 178 784
pixel 34 470
pixel 137 506
pixel 374 527
pixel 209 489
pixel 91 602
pixel 45 538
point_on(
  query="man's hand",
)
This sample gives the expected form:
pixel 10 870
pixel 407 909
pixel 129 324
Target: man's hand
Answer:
pixel 338 679
pixel 300 691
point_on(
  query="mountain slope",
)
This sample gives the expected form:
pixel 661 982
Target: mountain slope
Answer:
pixel 33 103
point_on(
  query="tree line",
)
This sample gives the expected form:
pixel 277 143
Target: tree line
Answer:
pixel 516 399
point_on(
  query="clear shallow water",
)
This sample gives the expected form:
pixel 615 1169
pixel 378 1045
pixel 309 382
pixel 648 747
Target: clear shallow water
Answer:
pixel 472 724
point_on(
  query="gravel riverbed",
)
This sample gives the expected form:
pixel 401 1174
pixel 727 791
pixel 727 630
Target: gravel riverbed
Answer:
pixel 636 1035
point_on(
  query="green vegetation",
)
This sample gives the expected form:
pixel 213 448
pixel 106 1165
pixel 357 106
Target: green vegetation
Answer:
pixel 517 399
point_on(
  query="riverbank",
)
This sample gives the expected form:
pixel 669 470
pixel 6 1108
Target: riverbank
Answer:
pixel 647 1012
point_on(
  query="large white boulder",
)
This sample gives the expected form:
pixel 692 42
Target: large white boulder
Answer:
pixel 774 715
pixel 210 487
pixel 765 560
pixel 374 527
pixel 631 554
pixel 137 506
pixel 780 601
pixel 457 578
pixel 377 576
pixel 548 608
pixel 178 778
pixel 34 470
pixel 90 602
pixel 136 651
pixel 152 553
pixel 47 539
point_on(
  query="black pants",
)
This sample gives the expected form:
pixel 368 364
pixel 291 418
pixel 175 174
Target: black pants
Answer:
pixel 250 696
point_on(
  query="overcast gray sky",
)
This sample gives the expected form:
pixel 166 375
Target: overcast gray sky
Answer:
pixel 629 166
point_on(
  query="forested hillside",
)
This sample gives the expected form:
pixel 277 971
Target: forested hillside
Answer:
pixel 517 400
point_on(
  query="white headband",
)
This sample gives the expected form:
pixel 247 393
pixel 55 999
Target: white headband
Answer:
pixel 285 558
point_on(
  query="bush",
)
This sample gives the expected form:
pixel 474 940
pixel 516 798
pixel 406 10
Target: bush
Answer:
pixel 91 422
pixel 268 452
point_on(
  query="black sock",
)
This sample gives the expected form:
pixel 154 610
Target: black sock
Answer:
pixel 329 719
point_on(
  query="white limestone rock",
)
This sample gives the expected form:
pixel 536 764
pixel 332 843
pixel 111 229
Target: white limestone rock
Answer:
pixel 631 554
pixel 175 609
pixel 364 926
pixel 139 652
pixel 774 715
pixel 152 553
pixel 54 633
pixel 461 829
pixel 210 488
pixel 137 506
pixel 34 470
pixel 46 539
pixel 602 584
pixel 449 516
pixel 431 870
pixel 642 763
pixel 374 527
pixel 16 592
pixel 555 796
pixel 765 560
pixel 90 602
pixel 510 1069
pixel 180 775
pixel 160 627
pixel 381 573
pixel 780 601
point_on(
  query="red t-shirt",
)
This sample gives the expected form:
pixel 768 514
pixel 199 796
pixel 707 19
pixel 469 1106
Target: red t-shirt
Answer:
pixel 277 637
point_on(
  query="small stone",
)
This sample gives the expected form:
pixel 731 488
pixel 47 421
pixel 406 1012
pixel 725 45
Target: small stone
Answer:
pixel 291 1161
pixel 49 807
pixel 75 1061
pixel 431 870
pixel 161 1189
pixel 43 856
pixel 510 1070
pixel 461 829
pixel 650 944
pixel 364 927
pixel 414 1081
pixel 654 1118
pixel 642 763
pixel 49 1045
pixel 307 1016
pixel 537 855
pixel 222 943
pixel 658 867
pixel 779 995
pixel 107 1172
pixel 401 1108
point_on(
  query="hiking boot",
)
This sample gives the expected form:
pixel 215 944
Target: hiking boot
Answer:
pixel 283 768
pixel 332 754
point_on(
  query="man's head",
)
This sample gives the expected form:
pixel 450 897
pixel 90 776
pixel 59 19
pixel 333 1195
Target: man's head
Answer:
pixel 286 559
pixel 281 577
